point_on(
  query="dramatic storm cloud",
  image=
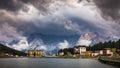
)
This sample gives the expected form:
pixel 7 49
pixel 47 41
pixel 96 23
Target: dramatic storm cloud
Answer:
pixel 21 18
pixel 109 8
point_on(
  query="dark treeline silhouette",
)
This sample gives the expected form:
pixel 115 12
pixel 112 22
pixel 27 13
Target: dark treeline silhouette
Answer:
pixel 7 50
pixel 96 47
pixel 100 46
pixel 67 51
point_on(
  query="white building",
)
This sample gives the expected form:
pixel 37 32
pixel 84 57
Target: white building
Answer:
pixel 79 50
pixel 96 53
pixel 60 53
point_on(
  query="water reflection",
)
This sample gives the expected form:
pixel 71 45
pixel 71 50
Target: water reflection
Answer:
pixel 50 63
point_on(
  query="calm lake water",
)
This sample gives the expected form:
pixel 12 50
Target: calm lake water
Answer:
pixel 50 63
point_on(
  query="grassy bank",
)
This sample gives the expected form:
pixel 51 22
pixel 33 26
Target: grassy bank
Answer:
pixel 13 57
pixel 112 58
pixel 7 57
pixel 115 61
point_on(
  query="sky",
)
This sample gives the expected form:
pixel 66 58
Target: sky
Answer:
pixel 21 18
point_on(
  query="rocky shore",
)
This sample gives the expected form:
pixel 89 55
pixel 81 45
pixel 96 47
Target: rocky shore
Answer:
pixel 110 61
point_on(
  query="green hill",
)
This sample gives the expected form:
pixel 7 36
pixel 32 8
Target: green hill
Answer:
pixel 6 51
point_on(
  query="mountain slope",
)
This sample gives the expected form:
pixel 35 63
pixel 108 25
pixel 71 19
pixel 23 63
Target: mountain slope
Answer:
pixel 90 39
pixel 7 50
pixel 50 43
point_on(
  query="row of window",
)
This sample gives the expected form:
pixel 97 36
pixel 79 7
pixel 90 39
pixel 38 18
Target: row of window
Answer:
pixel 35 52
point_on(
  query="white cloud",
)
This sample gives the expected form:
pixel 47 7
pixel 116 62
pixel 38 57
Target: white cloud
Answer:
pixel 30 15
pixel 63 45
pixel 21 45
pixel 43 48
pixel 84 42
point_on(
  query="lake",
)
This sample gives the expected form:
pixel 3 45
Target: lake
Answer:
pixel 51 63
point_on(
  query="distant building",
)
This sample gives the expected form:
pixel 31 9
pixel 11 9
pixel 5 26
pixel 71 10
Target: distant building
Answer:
pixel 16 56
pixel 79 50
pixel 106 52
pixel 61 53
pixel 95 53
pixel 35 53
pixel 101 52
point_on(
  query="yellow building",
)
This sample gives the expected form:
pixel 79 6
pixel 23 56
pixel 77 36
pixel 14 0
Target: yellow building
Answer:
pixel 101 52
pixel 35 53
pixel 87 53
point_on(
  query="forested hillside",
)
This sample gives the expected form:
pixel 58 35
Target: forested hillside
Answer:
pixel 7 50
pixel 100 46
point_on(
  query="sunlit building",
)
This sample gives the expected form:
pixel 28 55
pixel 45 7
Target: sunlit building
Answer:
pixel 87 53
pixel 79 50
pixel 106 52
pixel 96 53
pixel 35 53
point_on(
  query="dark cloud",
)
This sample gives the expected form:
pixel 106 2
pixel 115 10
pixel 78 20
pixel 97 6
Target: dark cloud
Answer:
pixel 12 5
pixel 54 28
pixel 83 0
pixel 72 23
pixel 49 29
pixel 109 8
pixel 86 26
pixel 15 5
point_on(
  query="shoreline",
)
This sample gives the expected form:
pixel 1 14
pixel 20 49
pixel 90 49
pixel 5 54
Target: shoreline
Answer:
pixel 64 57
pixel 110 62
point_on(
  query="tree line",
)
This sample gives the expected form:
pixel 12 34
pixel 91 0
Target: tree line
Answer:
pixel 95 47
pixel 100 46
